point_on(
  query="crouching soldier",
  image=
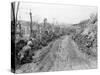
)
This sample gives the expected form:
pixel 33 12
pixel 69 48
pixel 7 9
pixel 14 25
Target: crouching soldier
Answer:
pixel 26 50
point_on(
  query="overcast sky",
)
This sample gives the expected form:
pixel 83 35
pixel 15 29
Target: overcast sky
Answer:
pixel 55 12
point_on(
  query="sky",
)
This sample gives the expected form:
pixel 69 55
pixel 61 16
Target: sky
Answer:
pixel 55 13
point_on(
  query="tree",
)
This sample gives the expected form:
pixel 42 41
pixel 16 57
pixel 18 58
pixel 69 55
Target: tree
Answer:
pixel 93 18
pixel 30 24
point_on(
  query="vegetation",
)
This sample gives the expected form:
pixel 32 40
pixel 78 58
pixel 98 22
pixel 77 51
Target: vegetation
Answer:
pixel 87 38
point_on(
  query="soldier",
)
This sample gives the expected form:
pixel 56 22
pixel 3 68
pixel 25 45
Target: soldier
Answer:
pixel 25 50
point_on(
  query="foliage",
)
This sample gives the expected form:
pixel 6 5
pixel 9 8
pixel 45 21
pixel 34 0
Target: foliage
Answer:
pixel 87 39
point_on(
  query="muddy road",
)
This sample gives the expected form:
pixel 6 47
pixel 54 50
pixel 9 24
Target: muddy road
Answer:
pixel 62 54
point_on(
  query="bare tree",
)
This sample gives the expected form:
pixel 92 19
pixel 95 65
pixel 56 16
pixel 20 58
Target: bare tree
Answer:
pixel 17 11
pixel 93 18
pixel 16 20
pixel 30 24
pixel 13 11
pixel 45 21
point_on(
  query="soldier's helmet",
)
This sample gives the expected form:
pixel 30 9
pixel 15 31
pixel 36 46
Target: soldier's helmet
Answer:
pixel 29 43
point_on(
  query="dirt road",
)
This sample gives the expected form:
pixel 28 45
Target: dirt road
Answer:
pixel 63 55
